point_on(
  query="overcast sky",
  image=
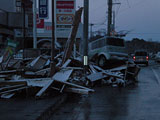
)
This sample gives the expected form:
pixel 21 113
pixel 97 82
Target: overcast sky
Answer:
pixel 140 17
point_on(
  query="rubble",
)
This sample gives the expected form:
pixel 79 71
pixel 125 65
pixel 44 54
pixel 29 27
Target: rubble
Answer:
pixel 33 73
pixel 70 77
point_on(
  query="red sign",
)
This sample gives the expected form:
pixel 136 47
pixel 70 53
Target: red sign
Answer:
pixel 40 22
pixel 65 4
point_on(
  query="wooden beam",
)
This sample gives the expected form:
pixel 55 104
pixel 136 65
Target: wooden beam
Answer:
pixel 75 85
pixel 13 90
pixel 43 90
pixel 77 90
pixel 11 87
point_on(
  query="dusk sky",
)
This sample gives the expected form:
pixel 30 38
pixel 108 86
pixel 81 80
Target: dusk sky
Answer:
pixel 140 17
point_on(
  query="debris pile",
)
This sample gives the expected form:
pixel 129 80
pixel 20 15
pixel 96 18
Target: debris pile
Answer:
pixel 32 77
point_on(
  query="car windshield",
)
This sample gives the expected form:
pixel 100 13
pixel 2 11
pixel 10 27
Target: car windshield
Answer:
pixel 115 42
pixel 140 54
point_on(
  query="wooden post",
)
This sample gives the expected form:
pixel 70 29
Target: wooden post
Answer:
pixel 71 39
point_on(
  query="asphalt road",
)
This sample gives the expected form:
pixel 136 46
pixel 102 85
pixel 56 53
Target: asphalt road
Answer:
pixel 134 102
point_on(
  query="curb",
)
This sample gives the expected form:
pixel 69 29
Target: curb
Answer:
pixel 46 114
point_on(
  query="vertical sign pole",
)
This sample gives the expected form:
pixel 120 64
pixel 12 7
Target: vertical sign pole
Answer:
pixel 34 23
pixel 52 64
pixel 85 32
pixel 109 16
pixel 24 27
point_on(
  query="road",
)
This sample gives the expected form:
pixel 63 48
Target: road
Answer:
pixel 134 102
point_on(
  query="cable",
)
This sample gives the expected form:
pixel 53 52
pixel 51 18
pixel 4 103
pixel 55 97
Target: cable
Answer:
pixel 145 33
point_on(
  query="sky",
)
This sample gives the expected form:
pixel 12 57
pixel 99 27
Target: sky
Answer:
pixel 140 18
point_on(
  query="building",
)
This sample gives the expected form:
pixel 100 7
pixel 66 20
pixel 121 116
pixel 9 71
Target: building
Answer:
pixel 13 20
pixel 65 10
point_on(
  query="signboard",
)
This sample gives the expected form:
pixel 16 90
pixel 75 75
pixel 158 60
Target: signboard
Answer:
pixel 65 10
pixel 40 22
pixel 65 18
pixel 43 8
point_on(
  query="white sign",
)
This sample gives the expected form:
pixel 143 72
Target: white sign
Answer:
pixel 65 10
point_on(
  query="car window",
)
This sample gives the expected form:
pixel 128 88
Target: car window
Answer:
pixel 140 54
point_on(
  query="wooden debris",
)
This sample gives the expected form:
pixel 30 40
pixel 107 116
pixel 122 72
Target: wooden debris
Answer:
pixel 66 63
pixel 108 73
pixel 92 69
pixel 43 90
pixel 7 95
pixel 11 87
pixel 43 72
pixel 77 90
pixel 38 82
pixel 38 63
pixel 71 39
pixel 14 90
pixel 76 86
pixel 96 76
pixel 63 75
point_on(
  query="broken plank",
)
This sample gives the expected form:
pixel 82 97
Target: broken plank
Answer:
pixel 119 68
pixel 75 85
pixel 66 63
pixel 92 69
pixel 13 82
pixel 38 82
pixel 7 95
pixel 8 72
pixel 11 87
pixel 108 73
pixel 43 71
pixel 96 76
pixel 43 90
pixel 112 75
pixel 14 90
pixel 63 75
pixel 74 68
pixel 77 90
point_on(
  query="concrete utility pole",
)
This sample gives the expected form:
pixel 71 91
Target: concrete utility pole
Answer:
pixel 34 23
pixel 114 20
pixel 52 63
pixel 109 16
pixel 24 26
pixel 85 32
pixel 91 30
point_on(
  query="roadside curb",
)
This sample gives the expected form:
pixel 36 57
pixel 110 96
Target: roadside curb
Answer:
pixel 46 114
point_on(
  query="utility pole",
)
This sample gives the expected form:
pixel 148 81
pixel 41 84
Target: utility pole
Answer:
pixel 91 30
pixel 34 23
pixel 109 16
pixel 85 32
pixel 114 20
pixel 52 63
pixel 24 26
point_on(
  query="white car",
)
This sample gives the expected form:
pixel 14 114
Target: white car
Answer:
pixel 157 57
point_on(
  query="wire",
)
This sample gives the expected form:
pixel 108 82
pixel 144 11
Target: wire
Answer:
pixel 143 33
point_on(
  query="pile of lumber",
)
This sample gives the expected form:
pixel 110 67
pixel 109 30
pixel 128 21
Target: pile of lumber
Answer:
pixel 70 77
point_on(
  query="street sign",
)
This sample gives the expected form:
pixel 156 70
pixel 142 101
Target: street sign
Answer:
pixel 43 8
pixel 40 22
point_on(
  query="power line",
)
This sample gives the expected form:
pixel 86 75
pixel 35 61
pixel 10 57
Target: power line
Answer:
pixel 143 33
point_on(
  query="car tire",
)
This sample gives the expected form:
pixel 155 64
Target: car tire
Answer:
pixel 101 61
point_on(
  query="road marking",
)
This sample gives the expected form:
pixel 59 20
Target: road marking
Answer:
pixel 156 75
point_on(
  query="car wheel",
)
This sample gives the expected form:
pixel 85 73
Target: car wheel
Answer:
pixel 101 61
